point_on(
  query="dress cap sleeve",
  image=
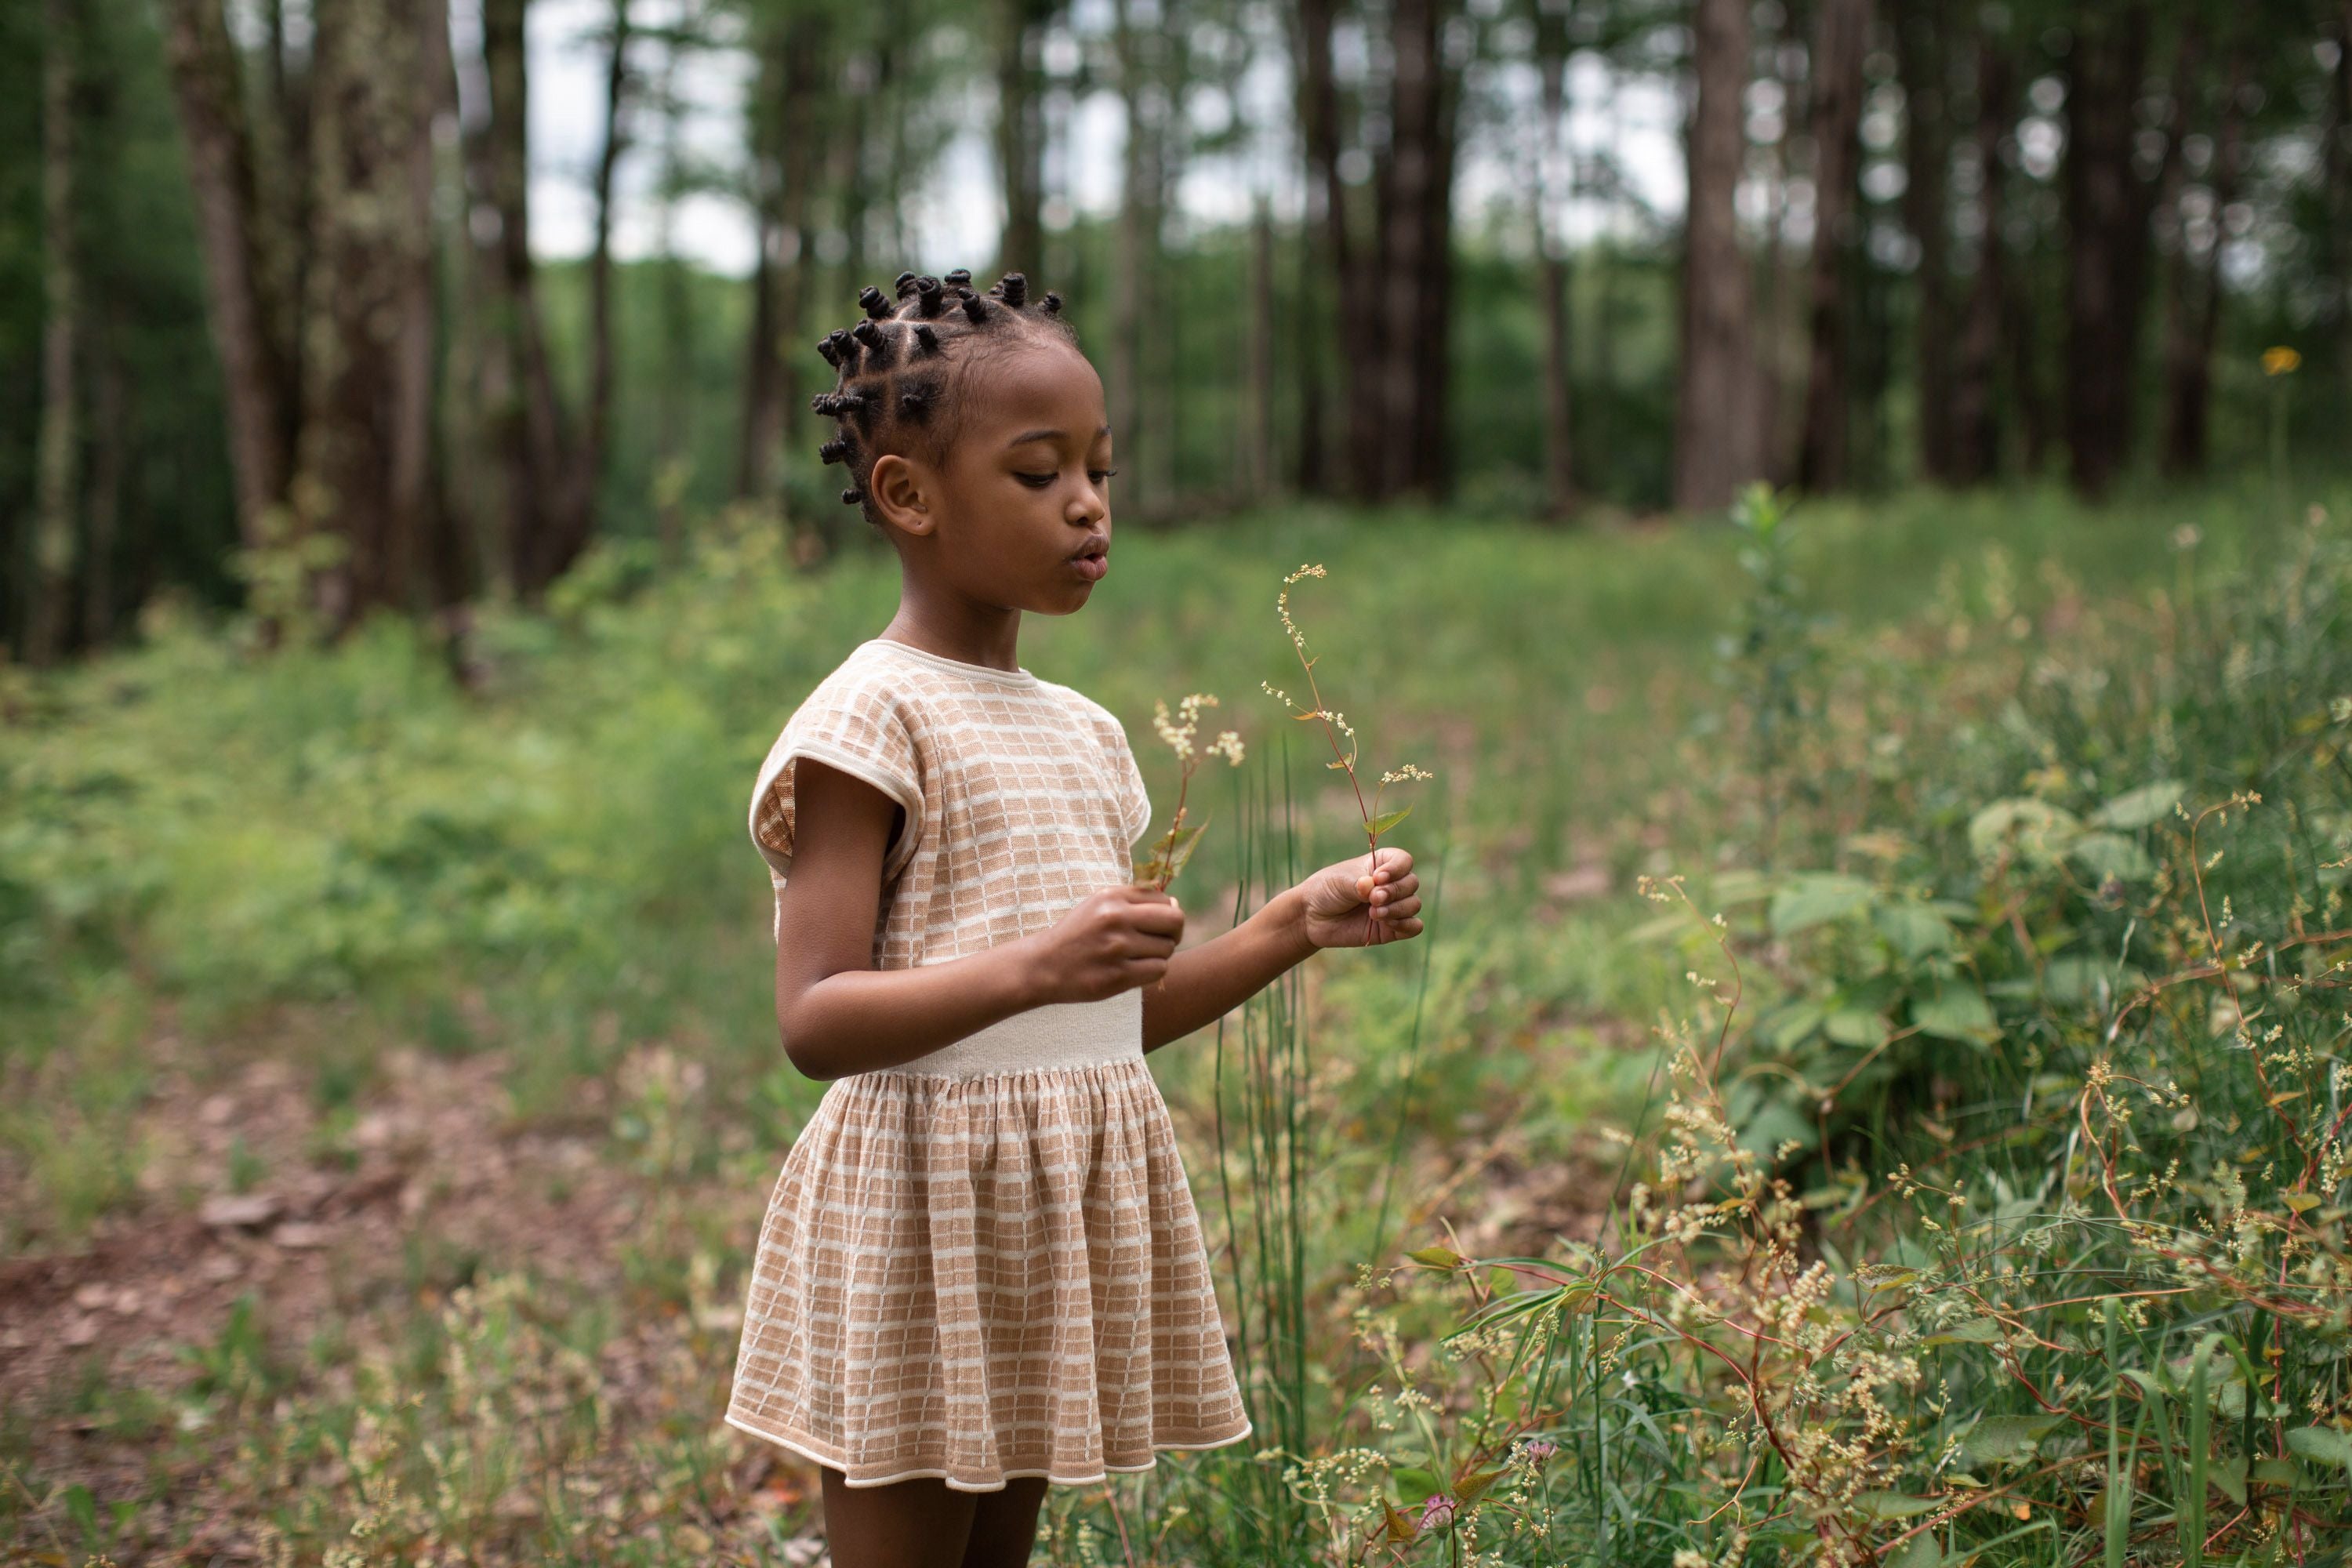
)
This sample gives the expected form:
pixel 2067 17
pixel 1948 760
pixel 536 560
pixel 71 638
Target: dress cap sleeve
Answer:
pixel 860 728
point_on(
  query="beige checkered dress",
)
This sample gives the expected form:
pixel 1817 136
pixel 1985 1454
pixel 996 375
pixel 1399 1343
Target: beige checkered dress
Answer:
pixel 985 1263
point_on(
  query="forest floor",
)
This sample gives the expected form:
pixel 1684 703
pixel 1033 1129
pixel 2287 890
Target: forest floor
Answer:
pixel 438 1261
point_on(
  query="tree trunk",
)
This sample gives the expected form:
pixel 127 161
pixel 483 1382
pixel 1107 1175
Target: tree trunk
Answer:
pixel 1413 274
pixel 1138 225
pixel 1836 112
pixel 1325 254
pixel 362 463
pixel 2106 241
pixel 2335 162
pixel 1923 51
pixel 1020 134
pixel 792 58
pixel 588 463
pixel 1432 337
pixel 2193 307
pixel 1714 424
pixel 1162 442
pixel 1974 429
pixel 1551 265
pixel 110 415
pixel 53 527
pixel 256 382
pixel 761 413
pixel 1257 427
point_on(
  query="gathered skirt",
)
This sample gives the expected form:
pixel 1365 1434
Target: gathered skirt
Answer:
pixel 975 1277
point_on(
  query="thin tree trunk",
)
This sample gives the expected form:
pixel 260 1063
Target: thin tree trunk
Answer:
pixel 2335 250
pixel 588 462
pixel 755 441
pixel 1413 272
pixel 1432 336
pixel 1551 267
pixel 363 461
pixel 53 529
pixel 1821 463
pixel 1020 134
pixel 1325 254
pixel 1923 50
pixel 1162 331
pixel 2193 308
pixel 1714 424
pixel 257 382
pixel 2106 234
pixel 1137 250
pixel 1975 429
pixel 1774 306
pixel 531 422
pixel 1258 428
pixel 104 514
pixel 800 154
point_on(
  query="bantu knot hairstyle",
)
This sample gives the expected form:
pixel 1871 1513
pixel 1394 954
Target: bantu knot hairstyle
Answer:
pixel 899 387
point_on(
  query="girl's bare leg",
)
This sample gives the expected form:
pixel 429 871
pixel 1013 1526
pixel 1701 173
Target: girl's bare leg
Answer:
pixel 1004 1524
pixel 906 1524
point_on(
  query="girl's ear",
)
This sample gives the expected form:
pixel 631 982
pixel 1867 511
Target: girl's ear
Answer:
pixel 900 492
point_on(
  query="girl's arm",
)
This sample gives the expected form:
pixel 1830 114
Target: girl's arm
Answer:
pixel 1327 909
pixel 838 1014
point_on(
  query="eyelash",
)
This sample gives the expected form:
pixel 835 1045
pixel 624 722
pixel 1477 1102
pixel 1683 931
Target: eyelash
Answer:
pixel 1039 481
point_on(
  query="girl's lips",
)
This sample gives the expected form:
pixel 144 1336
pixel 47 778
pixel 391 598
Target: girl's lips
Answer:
pixel 1093 568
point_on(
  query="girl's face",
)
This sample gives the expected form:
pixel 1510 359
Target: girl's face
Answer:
pixel 1022 491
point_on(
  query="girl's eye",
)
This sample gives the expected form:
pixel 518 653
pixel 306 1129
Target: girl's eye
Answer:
pixel 1039 481
pixel 1104 473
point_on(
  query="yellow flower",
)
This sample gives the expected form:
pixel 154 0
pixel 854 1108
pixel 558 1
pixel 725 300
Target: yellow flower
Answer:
pixel 2281 361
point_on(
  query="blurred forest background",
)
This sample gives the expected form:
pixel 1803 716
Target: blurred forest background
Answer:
pixel 279 305
pixel 414 537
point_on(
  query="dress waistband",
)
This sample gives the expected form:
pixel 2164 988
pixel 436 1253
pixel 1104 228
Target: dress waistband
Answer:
pixel 1057 1034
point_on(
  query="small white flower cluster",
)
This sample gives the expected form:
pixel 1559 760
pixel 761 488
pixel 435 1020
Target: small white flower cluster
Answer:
pixel 1400 774
pixel 1179 736
pixel 1282 603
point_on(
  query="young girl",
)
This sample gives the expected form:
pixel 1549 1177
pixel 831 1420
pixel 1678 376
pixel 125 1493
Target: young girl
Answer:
pixel 981 1270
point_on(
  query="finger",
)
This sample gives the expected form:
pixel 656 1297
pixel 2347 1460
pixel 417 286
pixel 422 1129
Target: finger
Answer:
pixel 1398 909
pixel 1395 862
pixel 1166 920
pixel 1146 945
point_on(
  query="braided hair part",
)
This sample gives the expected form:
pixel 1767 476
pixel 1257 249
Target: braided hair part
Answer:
pixel 902 370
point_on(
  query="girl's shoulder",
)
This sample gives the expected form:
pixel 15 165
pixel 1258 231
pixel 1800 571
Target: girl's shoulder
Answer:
pixel 865 672
pixel 1088 717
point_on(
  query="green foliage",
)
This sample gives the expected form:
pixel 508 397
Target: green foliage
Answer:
pixel 238 845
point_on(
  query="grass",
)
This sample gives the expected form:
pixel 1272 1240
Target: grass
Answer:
pixel 519 932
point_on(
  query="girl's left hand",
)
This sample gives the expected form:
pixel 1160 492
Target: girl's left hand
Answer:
pixel 1333 901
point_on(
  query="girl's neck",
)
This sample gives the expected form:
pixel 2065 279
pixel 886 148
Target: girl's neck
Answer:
pixel 968 635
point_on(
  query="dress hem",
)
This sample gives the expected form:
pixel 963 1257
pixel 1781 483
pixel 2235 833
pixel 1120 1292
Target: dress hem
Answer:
pixel 953 1485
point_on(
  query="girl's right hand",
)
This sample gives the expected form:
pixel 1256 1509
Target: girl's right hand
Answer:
pixel 1113 941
